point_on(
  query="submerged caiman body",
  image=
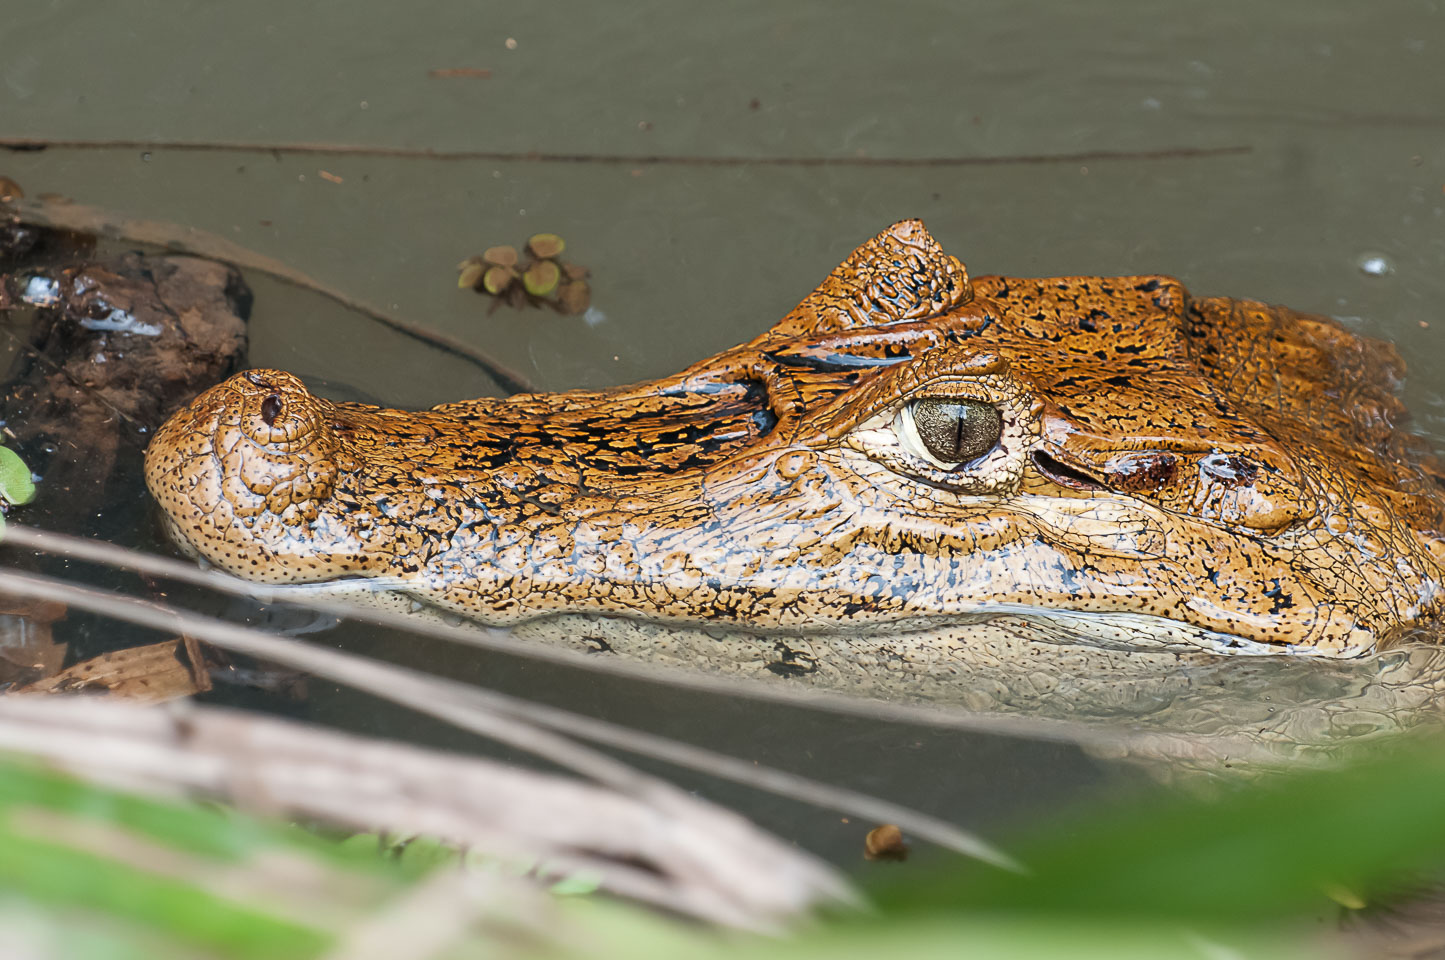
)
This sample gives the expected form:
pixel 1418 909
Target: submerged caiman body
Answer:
pixel 909 451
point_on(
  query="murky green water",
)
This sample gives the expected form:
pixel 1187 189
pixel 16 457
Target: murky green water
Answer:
pixel 1260 150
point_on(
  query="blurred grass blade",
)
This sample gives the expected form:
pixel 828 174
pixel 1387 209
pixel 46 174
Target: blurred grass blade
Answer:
pixel 1279 846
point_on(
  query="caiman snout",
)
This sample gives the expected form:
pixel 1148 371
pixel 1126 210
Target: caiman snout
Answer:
pixel 258 446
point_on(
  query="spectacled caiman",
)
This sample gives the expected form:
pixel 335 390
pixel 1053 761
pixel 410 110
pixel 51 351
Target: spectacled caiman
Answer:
pixel 916 482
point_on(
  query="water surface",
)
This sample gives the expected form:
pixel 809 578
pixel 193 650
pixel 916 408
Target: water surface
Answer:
pixel 710 164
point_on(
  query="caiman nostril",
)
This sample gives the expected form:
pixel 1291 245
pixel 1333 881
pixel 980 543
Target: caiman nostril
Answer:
pixel 1062 473
pixel 271 409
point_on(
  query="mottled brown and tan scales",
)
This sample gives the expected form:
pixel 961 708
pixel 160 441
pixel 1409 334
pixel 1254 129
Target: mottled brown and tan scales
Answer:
pixel 1233 472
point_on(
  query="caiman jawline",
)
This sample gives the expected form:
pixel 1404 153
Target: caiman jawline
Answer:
pixel 1105 629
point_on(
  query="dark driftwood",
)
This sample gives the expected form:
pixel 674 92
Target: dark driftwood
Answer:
pixel 111 349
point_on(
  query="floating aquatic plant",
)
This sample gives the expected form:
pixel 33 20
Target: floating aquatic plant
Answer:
pixel 540 278
pixel 16 486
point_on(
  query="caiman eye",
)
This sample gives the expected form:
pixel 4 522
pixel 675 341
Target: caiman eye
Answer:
pixel 950 431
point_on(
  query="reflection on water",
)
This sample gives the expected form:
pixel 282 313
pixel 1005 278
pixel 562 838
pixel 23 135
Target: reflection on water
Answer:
pixel 1375 264
pixel 1291 706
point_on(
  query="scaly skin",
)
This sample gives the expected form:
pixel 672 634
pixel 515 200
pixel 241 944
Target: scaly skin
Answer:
pixel 1231 467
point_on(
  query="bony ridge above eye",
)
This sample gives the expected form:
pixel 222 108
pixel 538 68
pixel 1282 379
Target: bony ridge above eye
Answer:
pixel 949 431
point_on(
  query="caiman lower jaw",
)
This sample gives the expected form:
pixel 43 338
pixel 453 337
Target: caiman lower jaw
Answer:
pixel 1118 631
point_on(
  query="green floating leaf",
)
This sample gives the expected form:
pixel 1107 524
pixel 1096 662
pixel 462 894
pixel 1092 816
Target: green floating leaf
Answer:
pixel 574 297
pixel 541 278
pixel 497 279
pixel 546 245
pixel 470 275
pixel 15 483
pixel 503 256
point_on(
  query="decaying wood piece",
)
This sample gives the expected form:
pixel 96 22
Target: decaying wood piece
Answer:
pixel 154 673
pixel 689 857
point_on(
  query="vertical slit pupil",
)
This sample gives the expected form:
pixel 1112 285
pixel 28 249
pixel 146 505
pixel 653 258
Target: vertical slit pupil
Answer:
pixel 957 431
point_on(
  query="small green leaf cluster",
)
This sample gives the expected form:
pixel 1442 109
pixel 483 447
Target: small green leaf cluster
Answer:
pixel 17 486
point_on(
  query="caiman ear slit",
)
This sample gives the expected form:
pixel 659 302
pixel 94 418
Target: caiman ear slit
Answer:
pixel 899 276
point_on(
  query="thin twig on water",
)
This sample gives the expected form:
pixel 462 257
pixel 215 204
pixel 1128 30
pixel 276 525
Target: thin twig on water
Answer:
pixel 625 159
pixel 497 716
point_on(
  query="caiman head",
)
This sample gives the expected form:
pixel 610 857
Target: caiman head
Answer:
pixel 907 447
